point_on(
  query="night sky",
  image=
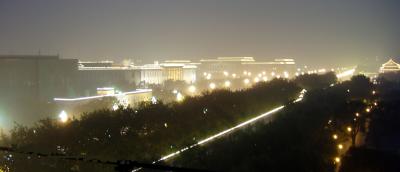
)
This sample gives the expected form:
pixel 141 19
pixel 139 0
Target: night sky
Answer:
pixel 315 32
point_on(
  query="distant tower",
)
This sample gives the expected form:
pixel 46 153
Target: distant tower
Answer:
pixel 389 66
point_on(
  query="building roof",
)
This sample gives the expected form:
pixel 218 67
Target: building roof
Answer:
pixel 389 66
pixel 229 59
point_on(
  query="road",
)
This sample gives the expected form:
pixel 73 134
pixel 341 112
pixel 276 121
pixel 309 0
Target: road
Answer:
pixel 229 130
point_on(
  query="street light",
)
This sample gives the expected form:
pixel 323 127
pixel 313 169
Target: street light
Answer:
pixel 179 97
pixel 227 84
pixel 208 77
pixel 63 116
pixel 153 100
pixel 192 89
pixel 115 107
pixel 335 136
pixel 340 146
pixel 349 129
pixel 246 81
pixel 212 85
pixel 286 74
pixel 265 78
pixel 337 159
pixel 256 79
pixel 226 73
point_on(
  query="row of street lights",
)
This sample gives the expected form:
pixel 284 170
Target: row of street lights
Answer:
pixel 349 129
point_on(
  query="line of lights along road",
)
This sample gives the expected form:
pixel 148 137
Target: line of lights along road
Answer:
pixel 222 133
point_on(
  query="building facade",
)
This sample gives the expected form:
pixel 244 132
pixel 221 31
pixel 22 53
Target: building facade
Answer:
pixel 30 82
pixel 158 73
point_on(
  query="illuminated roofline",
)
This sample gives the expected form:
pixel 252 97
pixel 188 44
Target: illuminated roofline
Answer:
pixel 102 96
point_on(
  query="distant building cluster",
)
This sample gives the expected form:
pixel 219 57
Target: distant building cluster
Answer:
pixel 45 77
pixel 33 81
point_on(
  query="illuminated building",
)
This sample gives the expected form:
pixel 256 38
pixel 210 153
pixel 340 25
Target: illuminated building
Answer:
pixel 278 65
pixel 92 75
pixel 389 66
pixel 78 105
pixel 390 71
pixel 149 74
pixel 158 73
pixel 222 66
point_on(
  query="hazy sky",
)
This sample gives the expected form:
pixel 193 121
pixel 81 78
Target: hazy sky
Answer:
pixel 324 31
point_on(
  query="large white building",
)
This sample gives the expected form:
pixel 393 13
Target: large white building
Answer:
pixel 108 74
pixel 158 73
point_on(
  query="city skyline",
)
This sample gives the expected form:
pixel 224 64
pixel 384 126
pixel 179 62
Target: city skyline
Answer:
pixel 314 32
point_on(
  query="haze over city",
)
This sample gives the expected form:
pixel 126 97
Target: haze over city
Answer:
pixel 317 32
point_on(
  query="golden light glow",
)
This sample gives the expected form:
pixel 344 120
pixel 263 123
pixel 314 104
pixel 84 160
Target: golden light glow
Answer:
pixel 357 114
pixel 265 78
pixel 192 89
pixel 246 81
pixel 63 116
pixel 340 146
pixel 212 85
pixel 335 136
pixel 337 159
pixel 367 110
pixel 349 129
pixel 226 73
pixel 286 74
pixel 179 97
pixel 227 84
pixel 115 106
pixel 256 79
pixel 208 77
